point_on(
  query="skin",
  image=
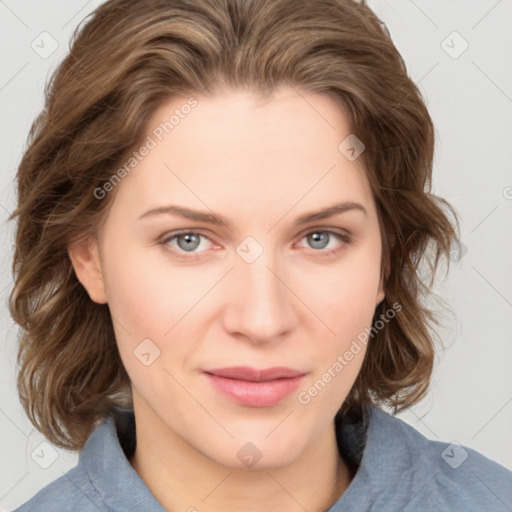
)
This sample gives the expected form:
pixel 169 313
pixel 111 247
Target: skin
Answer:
pixel 260 164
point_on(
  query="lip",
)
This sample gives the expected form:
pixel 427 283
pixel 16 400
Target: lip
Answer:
pixel 253 374
pixel 255 388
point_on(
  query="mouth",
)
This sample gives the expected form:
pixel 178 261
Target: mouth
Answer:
pixel 255 388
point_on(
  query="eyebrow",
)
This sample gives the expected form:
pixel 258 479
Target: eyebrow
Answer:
pixel 217 220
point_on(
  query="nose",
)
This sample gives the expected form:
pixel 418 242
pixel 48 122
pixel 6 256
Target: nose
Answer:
pixel 260 303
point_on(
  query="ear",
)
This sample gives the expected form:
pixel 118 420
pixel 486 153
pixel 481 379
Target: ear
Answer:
pixel 85 259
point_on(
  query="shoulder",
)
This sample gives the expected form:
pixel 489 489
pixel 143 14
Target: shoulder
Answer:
pixel 76 490
pixel 444 475
pixel 103 479
pixel 71 492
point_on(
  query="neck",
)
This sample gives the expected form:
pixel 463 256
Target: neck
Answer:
pixel 182 478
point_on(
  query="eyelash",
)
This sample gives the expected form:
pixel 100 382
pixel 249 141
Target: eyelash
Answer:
pixel 345 238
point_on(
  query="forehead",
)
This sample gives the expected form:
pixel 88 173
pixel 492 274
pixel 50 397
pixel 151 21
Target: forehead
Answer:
pixel 239 150
pixel 235 120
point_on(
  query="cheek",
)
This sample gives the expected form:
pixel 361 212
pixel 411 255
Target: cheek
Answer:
pixel 149 300
pixel 145 294
pixel 344 299
pixel 343 296
pixel 346 305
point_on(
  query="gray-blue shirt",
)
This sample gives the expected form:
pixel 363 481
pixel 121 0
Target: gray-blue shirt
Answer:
pixel 396 469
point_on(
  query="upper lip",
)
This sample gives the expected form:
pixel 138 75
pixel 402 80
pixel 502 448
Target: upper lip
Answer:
pixel 253 374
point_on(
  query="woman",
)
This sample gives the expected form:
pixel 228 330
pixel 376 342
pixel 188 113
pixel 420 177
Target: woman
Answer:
pixel 284 142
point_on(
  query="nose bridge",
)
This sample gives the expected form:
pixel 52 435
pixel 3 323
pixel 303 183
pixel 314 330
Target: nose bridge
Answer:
pixel 261 300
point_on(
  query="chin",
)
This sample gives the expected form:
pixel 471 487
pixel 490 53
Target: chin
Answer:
pixel 254 452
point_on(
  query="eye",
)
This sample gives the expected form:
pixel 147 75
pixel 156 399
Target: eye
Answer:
pixel 321 239
pixel 186 242
pixel 182 242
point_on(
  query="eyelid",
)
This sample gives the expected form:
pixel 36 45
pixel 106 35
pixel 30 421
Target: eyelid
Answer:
pixel 329 229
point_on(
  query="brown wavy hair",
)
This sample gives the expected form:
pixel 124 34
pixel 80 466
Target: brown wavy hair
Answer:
pixel 126 59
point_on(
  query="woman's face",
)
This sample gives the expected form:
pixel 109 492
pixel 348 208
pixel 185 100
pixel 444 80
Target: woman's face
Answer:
pixel 264 288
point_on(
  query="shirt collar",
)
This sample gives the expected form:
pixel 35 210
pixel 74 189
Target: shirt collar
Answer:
pixel 109 470
pixel 361 439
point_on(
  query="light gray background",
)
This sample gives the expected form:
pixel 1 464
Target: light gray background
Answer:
pixel 469 95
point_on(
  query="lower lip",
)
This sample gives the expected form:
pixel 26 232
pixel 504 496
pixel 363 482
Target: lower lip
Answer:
pixel 255 394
